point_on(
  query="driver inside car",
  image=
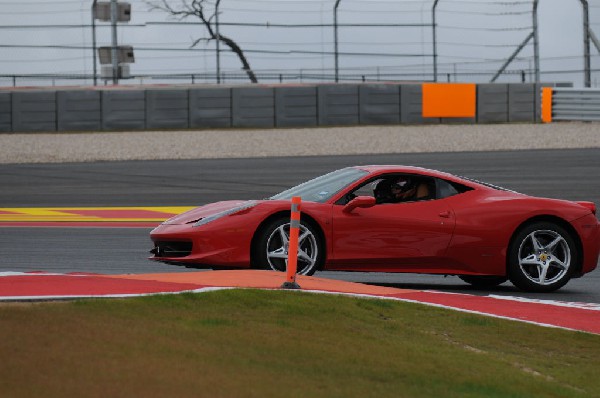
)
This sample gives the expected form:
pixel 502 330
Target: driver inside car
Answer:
pixel 402 189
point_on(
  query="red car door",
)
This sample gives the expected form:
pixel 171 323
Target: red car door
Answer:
pixel 391 235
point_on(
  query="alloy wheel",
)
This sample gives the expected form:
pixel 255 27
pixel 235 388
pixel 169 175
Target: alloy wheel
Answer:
pixel 544 257
pixel 278 245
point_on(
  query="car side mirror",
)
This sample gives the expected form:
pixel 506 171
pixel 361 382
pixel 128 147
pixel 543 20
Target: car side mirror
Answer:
pixel 359 201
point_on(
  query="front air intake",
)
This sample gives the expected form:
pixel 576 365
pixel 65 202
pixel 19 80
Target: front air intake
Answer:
pixel 172 249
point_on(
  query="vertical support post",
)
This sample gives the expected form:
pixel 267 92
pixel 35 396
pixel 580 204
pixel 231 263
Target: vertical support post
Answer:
pixel 536 42
pixel 434 27
pixel 113 21
pixel 335 39
pixel 218 41
pixel 586 45
pixel 95 71
pixel 292 262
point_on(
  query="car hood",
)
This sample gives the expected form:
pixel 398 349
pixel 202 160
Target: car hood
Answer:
pixel 210 209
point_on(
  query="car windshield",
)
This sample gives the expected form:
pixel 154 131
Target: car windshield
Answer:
pixel 322 188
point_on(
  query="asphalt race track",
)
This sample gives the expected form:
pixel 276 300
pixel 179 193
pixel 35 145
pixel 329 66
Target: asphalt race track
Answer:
pixel 568 174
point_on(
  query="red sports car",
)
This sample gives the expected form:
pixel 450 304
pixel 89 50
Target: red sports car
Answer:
pixel 395 219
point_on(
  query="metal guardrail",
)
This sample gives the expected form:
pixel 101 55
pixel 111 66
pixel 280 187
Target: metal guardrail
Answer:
pixel 575 104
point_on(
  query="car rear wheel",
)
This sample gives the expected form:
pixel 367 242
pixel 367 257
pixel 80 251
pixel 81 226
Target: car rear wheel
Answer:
pixel 483 281
pixel 271 251
pixel 542 257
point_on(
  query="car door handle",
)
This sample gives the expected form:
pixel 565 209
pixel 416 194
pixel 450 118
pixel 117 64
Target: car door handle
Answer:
pixel 445 214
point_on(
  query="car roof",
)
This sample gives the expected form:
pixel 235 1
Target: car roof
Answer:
pixel 375 170
pixel 382 169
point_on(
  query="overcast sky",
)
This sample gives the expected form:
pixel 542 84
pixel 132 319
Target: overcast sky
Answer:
pixel 474 37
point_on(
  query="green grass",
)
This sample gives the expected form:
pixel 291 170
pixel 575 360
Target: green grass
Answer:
pixel 250 343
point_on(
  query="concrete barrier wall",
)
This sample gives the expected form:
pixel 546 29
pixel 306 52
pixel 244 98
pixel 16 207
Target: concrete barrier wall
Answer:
pixel 78 111
pixel 411 98
pixel 296 106
pixel 253 107
pixel 258 106
pixel 5 112
pixel 379 104
pixel 492 103
pixel 167 109
pixel 520 106
pixel 338 105
pixel 210 108
pixel 123 110
pixel 34 111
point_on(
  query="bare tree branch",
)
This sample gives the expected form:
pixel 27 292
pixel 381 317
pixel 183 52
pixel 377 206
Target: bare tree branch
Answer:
pixel 196 8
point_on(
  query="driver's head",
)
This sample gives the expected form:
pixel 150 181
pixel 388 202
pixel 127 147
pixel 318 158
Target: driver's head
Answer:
pixel 382 191
pixel 402 186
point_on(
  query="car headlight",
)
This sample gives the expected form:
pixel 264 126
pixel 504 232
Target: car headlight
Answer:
pixel 216 216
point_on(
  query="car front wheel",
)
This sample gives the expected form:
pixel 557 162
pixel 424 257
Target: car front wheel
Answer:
pixel 542 257
pixel 271 251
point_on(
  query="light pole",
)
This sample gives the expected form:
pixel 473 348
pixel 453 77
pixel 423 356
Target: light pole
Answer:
pixel 113 20
pixel 536 42
pixel 586 44
pixel 94 41
pixel 218 42
pixel 434 27
pixel 335 39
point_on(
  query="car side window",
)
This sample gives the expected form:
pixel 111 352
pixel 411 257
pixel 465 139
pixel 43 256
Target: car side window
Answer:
pixel 445 189
pixel 419 188
pixel 429 188
pixel 367 189
pixel 364 190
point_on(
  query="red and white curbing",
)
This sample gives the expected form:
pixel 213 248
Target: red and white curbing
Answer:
pixel 39 286
pixel 585 306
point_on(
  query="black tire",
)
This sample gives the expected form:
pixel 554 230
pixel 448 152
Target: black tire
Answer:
pixel 270 251
pixel 483 281
pixel 542 257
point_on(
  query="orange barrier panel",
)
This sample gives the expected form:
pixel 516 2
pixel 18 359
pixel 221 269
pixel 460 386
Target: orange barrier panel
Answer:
pixel 292 263
pixel 449 99
pixel 547 104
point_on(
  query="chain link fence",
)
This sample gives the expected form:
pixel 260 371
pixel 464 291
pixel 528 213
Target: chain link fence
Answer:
pixel 293 41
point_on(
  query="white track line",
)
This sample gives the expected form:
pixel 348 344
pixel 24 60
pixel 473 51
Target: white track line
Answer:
pixel 584 306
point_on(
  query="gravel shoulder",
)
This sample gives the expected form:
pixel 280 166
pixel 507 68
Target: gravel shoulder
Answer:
pixel 245 143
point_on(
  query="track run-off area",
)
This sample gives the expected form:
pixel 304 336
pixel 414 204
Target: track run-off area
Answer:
pixel 93 219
